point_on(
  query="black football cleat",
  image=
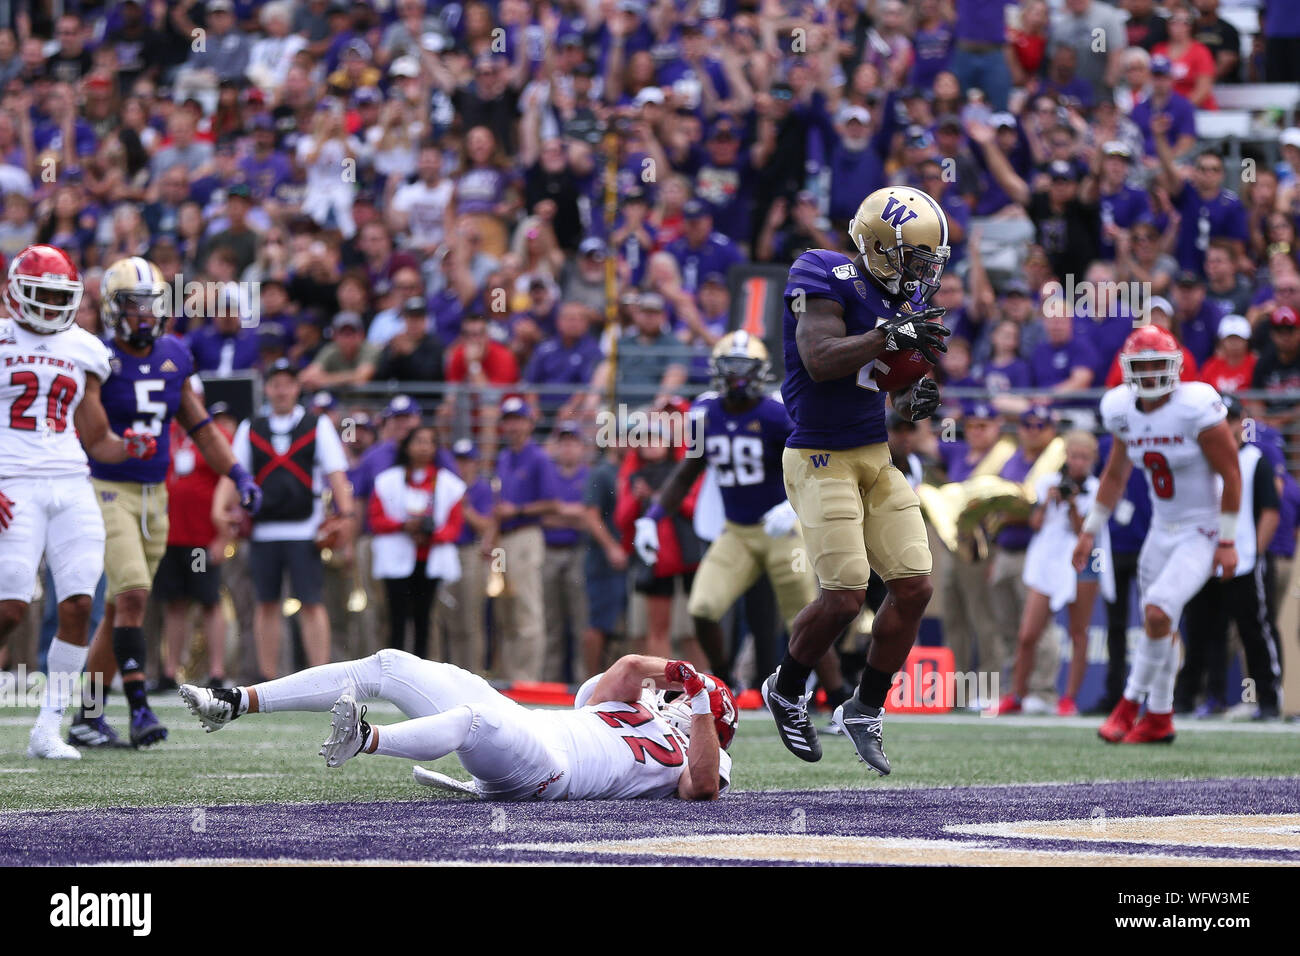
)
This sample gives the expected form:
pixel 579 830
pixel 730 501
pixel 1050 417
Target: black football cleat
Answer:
pixel 94 732
pixel 864 729
pixel 146 728
pixel 792 723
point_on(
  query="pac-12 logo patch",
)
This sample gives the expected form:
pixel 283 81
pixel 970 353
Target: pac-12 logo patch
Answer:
pixel 846 271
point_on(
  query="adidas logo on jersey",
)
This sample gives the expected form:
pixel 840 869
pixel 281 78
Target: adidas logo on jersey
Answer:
pixel 41 348
pixel 168 366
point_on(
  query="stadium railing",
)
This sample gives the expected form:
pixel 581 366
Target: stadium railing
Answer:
pixel 1074 409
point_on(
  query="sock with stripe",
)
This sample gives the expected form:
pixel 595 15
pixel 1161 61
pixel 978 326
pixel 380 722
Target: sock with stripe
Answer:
pixel 1161 698
pixel 1148 661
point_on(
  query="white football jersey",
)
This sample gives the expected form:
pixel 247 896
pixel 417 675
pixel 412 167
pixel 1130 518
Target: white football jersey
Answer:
pixel 42 381
pixel 621 751
pixel 1164 444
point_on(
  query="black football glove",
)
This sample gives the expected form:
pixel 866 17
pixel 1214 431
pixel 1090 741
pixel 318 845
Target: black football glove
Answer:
pixel 914 330
pixel 925 399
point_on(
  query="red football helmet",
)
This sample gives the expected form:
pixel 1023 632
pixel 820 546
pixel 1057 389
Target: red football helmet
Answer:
pixel 1151 361
pixel 44 289
pixel 725 714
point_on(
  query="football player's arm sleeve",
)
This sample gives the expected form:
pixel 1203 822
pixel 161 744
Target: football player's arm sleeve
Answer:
pixel 584 693
pixel 627 677
pixel 700 779
pixel 91 423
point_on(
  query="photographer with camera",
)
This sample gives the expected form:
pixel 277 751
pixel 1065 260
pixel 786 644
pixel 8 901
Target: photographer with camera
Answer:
pixel 1050 580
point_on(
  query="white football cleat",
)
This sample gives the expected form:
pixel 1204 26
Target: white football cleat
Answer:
pixel 348 732
pixel 47 745
pixel 213 706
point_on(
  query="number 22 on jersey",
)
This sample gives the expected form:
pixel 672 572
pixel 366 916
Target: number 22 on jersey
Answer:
pixel 642 747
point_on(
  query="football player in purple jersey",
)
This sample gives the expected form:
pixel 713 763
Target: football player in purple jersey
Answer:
pixel 741 433
pixel 149 385
pixel 857 509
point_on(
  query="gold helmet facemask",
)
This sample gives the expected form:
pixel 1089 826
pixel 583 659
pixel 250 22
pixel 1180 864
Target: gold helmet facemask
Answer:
pixel 739 365
pixel 134 288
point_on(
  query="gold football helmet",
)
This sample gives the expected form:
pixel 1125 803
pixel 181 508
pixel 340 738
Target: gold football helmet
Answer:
pixel 134 287
pixel 739 365
pixel 902 234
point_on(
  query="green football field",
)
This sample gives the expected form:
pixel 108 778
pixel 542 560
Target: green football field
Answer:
pixel 274 759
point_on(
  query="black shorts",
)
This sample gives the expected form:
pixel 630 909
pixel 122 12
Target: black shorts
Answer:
pixel 269 560
pixel 664 587
pixel 178 580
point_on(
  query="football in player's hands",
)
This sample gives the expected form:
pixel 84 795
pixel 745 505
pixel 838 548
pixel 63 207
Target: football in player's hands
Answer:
pixel 912 340
pixel 141 445
pixel 917 330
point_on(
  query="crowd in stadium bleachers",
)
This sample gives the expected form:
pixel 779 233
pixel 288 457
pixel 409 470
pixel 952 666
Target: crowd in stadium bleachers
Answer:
pixel 464 205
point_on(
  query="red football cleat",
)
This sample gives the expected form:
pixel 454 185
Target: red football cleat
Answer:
pixel 1120 721
pixel 1009 704
pixel 1152 729
pixel 1066 707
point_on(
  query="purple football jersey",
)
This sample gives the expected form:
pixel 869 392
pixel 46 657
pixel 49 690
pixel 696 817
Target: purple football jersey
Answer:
pixel 143 394
pixel 744 449
pixel 846 412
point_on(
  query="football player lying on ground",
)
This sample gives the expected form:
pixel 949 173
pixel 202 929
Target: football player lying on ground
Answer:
pixel 622 740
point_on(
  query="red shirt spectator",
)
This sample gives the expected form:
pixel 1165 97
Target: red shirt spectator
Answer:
pixel 1029 50
pixel 1196 61
pixel 191 483
pixel 1232 367
pixel 479 360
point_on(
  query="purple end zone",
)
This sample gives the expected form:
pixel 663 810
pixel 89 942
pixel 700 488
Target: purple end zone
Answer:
pixel 436 829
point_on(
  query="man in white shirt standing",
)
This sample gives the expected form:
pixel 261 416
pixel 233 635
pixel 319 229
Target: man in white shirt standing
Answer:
pixel 423 209
pixel 293 455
